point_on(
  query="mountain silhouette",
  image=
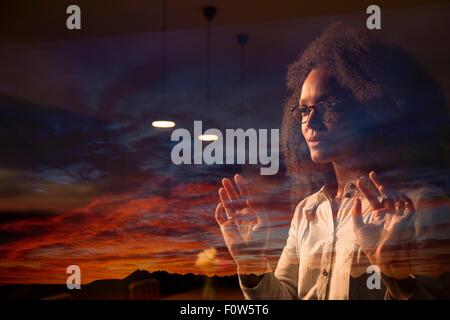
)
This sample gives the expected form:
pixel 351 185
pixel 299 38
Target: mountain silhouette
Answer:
pixel 140 284
pixel 138 275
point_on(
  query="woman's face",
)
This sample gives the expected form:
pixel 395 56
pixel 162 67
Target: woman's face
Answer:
pixel 336 140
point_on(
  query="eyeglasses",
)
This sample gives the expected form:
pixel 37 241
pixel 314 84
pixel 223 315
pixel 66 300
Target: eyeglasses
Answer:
pixel 326 110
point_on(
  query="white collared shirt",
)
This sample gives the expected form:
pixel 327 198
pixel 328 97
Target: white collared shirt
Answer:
pixel 322 259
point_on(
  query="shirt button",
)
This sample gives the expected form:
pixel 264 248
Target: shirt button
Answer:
pixel 352 186
pixel 325 273
pixel 348 195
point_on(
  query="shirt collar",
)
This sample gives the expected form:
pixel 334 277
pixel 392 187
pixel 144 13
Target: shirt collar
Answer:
pixel 325 189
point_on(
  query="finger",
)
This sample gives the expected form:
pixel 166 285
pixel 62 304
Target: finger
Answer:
pixel 373 176
pixel 387 201
pixel 226 203
pixel 242 186
pixel 236 201
pixel 229 188
pixel 358 221
pixel 263 219
pixel 229 230
pixel 220 214
pixel 224 197
pixel 408 202
pixel 371 197
pixel 399 206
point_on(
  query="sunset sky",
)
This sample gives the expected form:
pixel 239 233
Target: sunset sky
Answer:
pixel 86 180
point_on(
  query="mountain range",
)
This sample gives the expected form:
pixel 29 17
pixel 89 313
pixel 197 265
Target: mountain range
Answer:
pixel 139 285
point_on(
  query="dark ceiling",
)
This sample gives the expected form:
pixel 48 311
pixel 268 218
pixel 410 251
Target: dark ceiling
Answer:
pixel 44 20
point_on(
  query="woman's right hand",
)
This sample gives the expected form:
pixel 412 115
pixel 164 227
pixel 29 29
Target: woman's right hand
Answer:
pixel 244 224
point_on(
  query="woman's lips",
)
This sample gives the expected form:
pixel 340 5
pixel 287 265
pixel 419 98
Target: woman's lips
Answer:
pixel 314 142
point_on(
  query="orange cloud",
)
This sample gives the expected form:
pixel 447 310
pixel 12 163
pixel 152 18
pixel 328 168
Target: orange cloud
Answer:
pixel 115 234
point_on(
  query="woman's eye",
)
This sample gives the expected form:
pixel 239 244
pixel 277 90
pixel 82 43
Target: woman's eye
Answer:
pixel 304 110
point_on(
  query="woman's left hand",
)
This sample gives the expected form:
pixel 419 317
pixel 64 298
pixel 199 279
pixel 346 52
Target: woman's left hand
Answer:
pixel 389 237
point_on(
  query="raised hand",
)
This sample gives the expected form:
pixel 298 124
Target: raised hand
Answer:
pixel 388 239
pixel 244 224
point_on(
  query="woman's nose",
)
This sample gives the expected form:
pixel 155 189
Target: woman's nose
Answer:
pixel 313 120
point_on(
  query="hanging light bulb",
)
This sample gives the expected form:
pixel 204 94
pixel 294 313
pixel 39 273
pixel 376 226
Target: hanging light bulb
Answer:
pixel 208 137
pixel 163 124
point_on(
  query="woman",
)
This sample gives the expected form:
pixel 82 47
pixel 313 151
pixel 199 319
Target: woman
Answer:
pixel 365 127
